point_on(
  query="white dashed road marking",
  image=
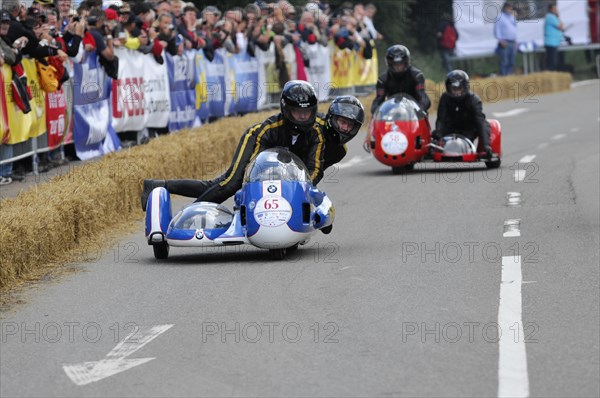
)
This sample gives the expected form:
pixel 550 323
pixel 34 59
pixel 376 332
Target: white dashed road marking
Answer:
pixel 513 380
pixel 520 175
pixel 527 159
pixel 512 112
pixel 513 199
pixel 512 228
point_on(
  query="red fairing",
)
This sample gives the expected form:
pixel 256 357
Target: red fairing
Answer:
pixel 400 143
pixel 496 136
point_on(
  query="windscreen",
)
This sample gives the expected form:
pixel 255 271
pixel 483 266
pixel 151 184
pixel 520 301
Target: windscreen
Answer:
pixel 276 164
pixel 204 216
pixel 398 108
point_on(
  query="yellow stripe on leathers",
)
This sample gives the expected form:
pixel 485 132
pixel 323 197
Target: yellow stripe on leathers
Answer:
pixel 257 147
pixel 319 149
pixel 243 148
pixel 320 122
pixel 258 138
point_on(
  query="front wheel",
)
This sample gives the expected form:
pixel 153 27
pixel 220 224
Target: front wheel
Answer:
pixel 161 251
pixel 277 254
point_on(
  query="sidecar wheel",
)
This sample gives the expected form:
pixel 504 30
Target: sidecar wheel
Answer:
pixel 161 251
pixel 277 254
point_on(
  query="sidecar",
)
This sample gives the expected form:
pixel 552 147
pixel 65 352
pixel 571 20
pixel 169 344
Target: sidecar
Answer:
pixel 277 209
pixel 399 136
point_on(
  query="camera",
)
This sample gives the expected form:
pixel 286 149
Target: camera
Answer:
pixel 53 33
pixel 76 18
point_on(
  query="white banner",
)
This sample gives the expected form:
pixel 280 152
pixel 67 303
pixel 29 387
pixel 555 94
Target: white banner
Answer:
pixel 319 72
pixel 475 24
pixel 289 53
pixel 157 98
pixel 266 76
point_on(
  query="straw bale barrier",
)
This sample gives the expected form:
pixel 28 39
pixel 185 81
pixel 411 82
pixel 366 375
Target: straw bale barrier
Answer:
pixel 43 225
pixel 516 87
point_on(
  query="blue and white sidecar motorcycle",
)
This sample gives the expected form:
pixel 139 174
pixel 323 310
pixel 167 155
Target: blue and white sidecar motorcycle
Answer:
pixel 277 209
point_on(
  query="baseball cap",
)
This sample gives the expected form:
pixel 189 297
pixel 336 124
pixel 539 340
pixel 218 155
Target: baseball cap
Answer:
pixel 4 16
pixel 111 15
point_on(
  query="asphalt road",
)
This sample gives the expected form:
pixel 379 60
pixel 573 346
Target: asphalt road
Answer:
pixel 407 297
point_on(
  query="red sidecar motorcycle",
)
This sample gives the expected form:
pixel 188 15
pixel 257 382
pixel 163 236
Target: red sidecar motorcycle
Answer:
pixel 399 136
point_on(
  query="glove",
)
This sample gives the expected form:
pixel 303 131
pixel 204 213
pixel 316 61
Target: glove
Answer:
pixel 435 135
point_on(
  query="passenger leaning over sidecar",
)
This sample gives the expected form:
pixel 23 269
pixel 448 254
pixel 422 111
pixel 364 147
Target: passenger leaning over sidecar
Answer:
pixel 293 128
pixel 342 122
pixel 461 112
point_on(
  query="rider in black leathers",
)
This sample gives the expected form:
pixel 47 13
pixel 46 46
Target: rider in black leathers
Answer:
pixel 461 112
pixel 401 77
pixel 278 130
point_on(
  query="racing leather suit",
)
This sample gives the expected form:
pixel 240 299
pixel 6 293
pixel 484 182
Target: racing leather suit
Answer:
pixel 411 82
pixel 334 152
pixel 308 146
pixel 462 116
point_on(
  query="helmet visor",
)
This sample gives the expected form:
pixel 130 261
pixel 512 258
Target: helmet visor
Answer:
pixel 457 91
pixel 397 67
pixel 349 111
pixel 345 127
pixel 302 116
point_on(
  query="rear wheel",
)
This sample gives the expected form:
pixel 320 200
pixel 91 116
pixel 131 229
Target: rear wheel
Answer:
pixel 161 251
pixel 277 254
pixel 403 169
pixel 493 164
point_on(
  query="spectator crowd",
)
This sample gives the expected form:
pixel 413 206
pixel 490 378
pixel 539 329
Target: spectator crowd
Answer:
pixel 55 28
pixel 58 33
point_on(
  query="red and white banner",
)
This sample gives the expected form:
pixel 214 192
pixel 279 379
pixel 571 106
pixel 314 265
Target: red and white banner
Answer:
pixel 4 131
pixel 140 96
pixel 56 111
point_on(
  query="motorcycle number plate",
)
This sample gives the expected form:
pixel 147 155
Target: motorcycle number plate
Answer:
pixel 394 143
pixel 272 211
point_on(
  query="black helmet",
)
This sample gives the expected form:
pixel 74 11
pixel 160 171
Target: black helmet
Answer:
pixel 299 95
pixel 398 54
pixel 349 107
pixel 457 78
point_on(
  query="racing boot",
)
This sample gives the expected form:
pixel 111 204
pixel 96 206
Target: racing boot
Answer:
pixel 488 152
pixel 149 185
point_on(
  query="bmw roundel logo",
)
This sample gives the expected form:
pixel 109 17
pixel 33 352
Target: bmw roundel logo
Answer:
pixel 272 189
pixel 199 234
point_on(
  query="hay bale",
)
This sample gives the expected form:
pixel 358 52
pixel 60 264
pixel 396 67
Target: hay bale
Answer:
pixel 43 225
